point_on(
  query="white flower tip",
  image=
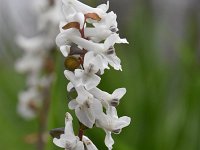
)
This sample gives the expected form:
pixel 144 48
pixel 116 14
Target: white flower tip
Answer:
pixel 127 121
pixel 65 50
pixel 67 72
pixel 70 86
pixel 124 41
pixel 68 117
pixel 104 7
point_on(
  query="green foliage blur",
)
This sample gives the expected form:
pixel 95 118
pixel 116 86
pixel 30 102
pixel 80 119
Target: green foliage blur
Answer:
pixel 163 99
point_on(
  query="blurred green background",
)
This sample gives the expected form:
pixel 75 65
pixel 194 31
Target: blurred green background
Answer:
pixel 161 71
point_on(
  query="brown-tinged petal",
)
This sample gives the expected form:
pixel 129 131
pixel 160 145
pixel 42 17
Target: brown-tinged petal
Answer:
pixel 71 25
pixel 93 16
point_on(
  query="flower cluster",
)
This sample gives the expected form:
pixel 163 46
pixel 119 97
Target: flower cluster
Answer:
pixel 86 39
pixel 36 61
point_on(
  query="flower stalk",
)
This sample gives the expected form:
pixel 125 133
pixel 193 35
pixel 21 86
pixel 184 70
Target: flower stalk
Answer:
pixel 89 51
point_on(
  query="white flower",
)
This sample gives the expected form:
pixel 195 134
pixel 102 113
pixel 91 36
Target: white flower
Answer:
pixel 29 101
pixel 106 49
pixel 87 112
pixel 63 38
pixel 69 141
pixel 86 78
pixel 31 45
pixel 95 62
pixel 36 52
pixel 106 98
pixel 108 22
pixel 77 17
pixel 29 63
pixel 72 35
pixel 111 123
pixel 97 34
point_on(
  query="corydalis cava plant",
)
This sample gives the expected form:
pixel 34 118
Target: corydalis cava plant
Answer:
pixel 86 40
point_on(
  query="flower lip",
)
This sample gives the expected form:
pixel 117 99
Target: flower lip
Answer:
pixel 117 131
pixel 110 51
pixel 114 102
pixel 113 29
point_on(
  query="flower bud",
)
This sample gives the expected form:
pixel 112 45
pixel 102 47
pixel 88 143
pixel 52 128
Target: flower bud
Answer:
pixel 71 63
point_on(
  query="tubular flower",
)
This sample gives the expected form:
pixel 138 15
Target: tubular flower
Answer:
pixel 86 40
pixel 69 141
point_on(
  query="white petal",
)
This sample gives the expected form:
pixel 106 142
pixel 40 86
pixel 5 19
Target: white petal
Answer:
pixel 88 143
pixel 109 140
pixel 80 18
pixel 88 45
pixel 119 93
pixel 112 111
pixel 63 38
pixel 68 11
pixel 79 73
pixel 60 142
pixel 29 63
pixel 114 61
pixel 79 146
pixel 83 95
pixel 122 122
pixel 70 76
pixel 88 59
pixel 80 7
pixel 30 44
pixel 108 21
pixel 99 94
pixel 103 121
pixel 97 34
pixel 72 104
pixel 65 142
pixel 65 50
pixel 111 40
pixel 104 7
pixel 70 86
pixel 69 132
pixel 96 106
pixel 94 59
pixel 91 81
pixel 85 115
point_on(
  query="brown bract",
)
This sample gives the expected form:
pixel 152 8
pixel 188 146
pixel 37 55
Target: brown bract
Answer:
pixel 71 63
pixel 93 16
pixel 71 25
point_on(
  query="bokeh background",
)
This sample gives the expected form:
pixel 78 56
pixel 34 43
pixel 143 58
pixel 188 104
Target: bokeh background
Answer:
pixel 161 71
